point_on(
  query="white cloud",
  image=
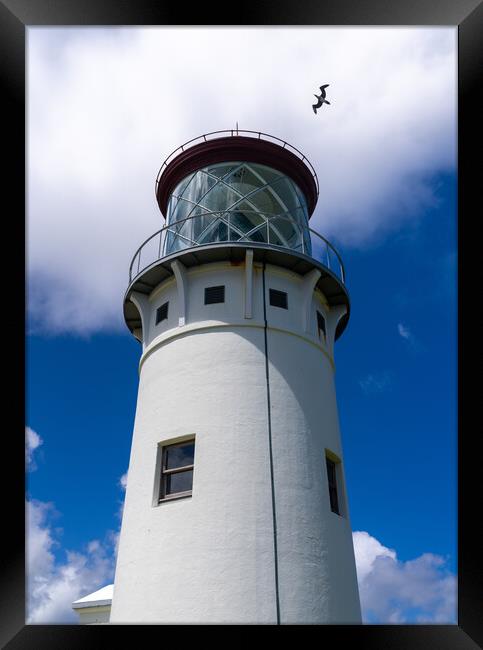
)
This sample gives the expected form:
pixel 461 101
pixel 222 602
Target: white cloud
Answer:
pixel 113 538
pixel 52 584
pixel 32 442
pixel 106 106
pixel 123 481
pixel 404 332
pixel 376 382
pixel 422 590
pixel 367 549
pixel 123 486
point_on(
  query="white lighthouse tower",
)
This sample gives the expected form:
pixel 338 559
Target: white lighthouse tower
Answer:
pixel 236 508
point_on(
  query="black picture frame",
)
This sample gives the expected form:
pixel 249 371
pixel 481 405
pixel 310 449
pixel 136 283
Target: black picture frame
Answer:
pixel 15 17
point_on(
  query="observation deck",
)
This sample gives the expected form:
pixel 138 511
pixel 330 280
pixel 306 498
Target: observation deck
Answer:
pixel 223 193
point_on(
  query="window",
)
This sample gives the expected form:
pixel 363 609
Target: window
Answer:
pixel 177 464
pixel 162 313
pixel 332 476
pixel 321 324
pixel 214 294
pixel 278 299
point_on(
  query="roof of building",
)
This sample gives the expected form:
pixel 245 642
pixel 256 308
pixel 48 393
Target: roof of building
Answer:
pixel 236 148
pixel 96 599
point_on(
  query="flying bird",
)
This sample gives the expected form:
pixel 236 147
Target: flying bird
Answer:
pixel 321 98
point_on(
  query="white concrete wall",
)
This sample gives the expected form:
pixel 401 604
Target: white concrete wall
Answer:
pixel 94 615
pixel 210 558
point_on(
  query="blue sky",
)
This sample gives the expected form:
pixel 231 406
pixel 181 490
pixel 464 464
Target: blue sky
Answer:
pixel 396 385
pixel 388 202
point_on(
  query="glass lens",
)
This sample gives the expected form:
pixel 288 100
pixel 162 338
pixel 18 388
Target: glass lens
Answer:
pixel 222 169
pixel 249 192
pixel 181 187
pixel 287 196
pixel 263 173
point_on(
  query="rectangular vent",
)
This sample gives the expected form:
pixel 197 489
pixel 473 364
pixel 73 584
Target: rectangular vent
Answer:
pixel 162 313
pixel 214 294
pixel 332 472
pixel 321 323
pixel 278 299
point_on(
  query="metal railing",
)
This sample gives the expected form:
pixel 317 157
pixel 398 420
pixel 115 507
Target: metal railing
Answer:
pixel 234 132
pixel 179 236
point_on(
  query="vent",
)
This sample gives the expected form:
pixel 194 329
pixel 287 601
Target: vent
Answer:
pixel 214 294
pixel 321 323
pixel 278 299
pixel 332 476
pixel 162 313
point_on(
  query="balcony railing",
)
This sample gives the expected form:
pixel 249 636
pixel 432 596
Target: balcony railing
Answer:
pixel 219 229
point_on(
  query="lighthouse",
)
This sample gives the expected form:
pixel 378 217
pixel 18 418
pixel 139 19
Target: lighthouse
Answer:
pixel 236 508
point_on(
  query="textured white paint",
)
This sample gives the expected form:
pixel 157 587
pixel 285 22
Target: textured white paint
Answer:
pixel 98 615
pixel 181 286
pixel 94 608
pixel 333 317
pixel 100 597
pixel 310 280
pixel 144 310
pixel 210 558
pixel 248 283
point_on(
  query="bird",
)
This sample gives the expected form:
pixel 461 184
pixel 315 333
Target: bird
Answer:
pixel 321 98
